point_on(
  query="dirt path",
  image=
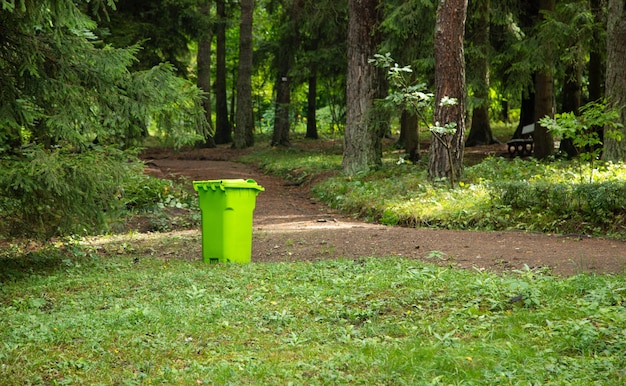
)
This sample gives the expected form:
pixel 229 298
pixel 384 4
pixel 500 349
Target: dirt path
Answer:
pixel 290 226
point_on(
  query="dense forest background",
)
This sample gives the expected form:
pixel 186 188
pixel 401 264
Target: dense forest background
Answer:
pixel 84 83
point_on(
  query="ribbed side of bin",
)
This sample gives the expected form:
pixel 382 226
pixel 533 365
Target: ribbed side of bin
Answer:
pixel 227 208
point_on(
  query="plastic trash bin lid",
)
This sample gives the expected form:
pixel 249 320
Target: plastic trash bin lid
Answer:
pixel 227 184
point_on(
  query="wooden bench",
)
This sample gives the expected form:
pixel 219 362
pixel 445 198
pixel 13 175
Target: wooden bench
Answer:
pixel 525 145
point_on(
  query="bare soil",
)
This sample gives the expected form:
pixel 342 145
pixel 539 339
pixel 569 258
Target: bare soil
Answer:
pixel 289 225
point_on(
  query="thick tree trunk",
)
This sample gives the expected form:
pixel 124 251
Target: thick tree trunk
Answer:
pixel 203 59
pixel 616 76
pixel 222 124
pixel 544 97
pixel 480 131
pixel 446 160
pixel 362 138
pixel 244 127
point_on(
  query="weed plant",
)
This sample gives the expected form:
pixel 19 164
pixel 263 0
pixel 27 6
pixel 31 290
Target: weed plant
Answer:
pixel 71 316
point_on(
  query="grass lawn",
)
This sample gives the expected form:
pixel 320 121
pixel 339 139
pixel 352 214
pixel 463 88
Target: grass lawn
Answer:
pixel 72 315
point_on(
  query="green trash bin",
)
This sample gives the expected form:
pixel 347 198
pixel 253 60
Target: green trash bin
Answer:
pixel 226 207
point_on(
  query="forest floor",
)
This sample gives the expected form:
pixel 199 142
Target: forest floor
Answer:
pixel 289 225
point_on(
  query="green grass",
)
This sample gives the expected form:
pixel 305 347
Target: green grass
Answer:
pixel 83 318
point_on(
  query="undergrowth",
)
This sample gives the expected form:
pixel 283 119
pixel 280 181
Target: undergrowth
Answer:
pixel 496 194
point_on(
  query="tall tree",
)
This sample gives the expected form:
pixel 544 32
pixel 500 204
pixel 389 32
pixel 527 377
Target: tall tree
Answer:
pixel 311 110
pixel 480 130
pixel 362 139
pixel 323 34
pixel 203 60
pixel 288 44
pixel 244 125
pixel 222 123
pixel 446 159
pixel 598 44
pixel 616 76
pixel 544 90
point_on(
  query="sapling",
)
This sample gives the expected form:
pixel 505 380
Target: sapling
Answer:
pixel 413 97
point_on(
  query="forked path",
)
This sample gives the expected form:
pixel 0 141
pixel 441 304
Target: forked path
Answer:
pixel 289 226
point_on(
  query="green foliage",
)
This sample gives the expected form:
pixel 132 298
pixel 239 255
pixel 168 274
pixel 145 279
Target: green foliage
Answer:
pixel 67 102
pixel 143 193
pixel 584 129
pixel 48 193
pixel 405 93
pixel 495 194
pixel 66 320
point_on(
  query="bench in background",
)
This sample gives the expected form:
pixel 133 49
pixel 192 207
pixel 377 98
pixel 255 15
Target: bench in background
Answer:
pixel 525 145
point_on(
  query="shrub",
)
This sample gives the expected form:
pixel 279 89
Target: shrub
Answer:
pixel 46 193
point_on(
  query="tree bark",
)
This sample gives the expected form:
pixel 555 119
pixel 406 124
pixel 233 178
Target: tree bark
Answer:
pixel 244 127
pixel 596 66
pixel 544 95
pixel 409 128
pixel 447 161
pixel 362 136
pixel 203 59
pixel 480 130
pixel 284 62
pixel 571 100
pixel 616 76
pixel 311 119
pixel 527 112
pixel 222 124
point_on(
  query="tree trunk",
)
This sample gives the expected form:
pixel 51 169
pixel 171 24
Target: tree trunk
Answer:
pixel 284 62
pixel 204 70
pixel 281 111
pixel 570 95
pixel 446 160
pixel 596 66
pixel 527 112
pixel 544 96
pixel 480 131
pixel 311 120
pixel 362 139
pixel 244 127
pixel 222 124
pixel 616 76
pixel 409 128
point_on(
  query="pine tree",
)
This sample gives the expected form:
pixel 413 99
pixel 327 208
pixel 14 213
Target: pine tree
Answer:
pixel 68 104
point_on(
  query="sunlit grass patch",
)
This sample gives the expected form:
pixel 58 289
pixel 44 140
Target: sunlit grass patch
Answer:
pixel 495 194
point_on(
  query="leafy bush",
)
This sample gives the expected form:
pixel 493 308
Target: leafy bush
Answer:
pixel 47 193
pixel 143 193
